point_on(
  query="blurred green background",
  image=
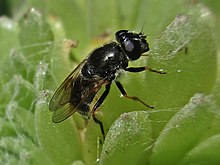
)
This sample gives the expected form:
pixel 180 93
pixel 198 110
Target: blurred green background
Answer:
pixel 42 41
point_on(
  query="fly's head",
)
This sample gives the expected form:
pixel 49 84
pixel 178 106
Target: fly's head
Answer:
pixel 133 44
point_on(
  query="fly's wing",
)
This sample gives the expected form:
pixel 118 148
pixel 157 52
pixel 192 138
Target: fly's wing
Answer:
pixel 60 103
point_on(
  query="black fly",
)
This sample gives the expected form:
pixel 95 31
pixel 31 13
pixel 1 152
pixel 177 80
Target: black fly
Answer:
pixel 100 68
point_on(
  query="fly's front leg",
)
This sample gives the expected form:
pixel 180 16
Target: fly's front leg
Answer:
pixel 97 105
pixel 140 69
pixel 124 93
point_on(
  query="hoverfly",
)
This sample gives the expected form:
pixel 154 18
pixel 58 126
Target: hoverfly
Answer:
pixel 100 68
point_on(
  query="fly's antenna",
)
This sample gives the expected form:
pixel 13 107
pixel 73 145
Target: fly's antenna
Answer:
pixel 142 31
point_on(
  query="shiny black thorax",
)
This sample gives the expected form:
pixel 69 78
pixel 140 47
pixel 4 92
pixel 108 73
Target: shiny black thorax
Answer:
pixel 105 62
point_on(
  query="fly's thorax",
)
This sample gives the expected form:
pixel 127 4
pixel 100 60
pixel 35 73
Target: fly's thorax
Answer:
pixel 105 62
pixel 88 71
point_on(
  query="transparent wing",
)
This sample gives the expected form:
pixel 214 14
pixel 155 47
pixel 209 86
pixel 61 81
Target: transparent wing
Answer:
pixel 63 113
pixel 60 103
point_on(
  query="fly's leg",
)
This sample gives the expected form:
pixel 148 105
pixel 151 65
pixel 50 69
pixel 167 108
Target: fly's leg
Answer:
pixel 124 93
pixel 97 105
pixel 140 69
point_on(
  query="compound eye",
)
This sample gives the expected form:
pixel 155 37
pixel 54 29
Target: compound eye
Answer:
pixel 129 46
pixel 132 49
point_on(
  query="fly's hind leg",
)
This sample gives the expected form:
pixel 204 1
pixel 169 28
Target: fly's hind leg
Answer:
pixel 124 93
pixel 97 105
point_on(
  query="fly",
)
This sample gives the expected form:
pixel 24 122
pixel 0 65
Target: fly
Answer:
pixel 99 69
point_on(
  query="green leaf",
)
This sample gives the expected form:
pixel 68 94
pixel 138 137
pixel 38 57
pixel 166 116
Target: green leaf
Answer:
pixel 38 47
pixel 190 131
pixel 58 141
pixel 187 129
pixel 205 153
pixel 35 31
pixel 7 27
pixel 129 135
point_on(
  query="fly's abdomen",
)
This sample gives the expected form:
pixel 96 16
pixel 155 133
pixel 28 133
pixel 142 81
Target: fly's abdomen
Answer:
pixel 83 93
pixel 84 108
